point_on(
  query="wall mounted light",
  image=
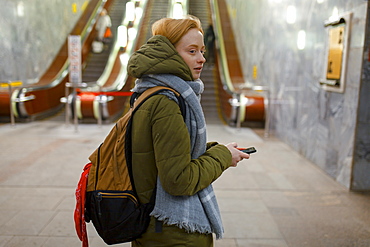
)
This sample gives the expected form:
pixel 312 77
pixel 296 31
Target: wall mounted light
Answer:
pixel 301 40
pixel 335 15
pixel 122 36
pixel 124 57
pixel 132 32
pixel 20 9
pixel 291 14
pixel 130 11
pixel 177 11
pixel 138 12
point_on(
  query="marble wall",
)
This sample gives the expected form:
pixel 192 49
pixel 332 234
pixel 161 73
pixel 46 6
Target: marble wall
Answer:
pixel 31 34
pixel 329 128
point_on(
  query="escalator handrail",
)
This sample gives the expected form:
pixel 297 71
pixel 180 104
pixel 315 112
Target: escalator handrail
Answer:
pixel 122 75
pixel 130 49
pixel 221 51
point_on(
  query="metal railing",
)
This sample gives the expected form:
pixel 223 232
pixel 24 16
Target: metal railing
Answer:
pixel 71 100
pixel 267 103
pixel 12 101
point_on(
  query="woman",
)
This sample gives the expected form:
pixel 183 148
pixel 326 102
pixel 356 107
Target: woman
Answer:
pixel 170 153
pixel 102 24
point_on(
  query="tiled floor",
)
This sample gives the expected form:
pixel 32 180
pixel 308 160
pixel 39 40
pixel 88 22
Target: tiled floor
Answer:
pixel 277 198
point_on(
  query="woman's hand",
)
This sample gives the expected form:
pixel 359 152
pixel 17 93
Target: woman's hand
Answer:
pixel 236 154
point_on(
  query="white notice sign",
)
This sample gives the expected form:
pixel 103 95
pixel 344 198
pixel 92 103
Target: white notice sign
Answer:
pixel 74 55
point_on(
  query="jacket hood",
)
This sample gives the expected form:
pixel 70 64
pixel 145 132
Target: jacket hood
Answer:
pixel 158 56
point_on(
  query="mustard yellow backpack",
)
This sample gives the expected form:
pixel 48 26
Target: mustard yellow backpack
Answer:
pixel 106 194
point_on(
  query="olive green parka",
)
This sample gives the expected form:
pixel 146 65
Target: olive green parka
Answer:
pixel 161 145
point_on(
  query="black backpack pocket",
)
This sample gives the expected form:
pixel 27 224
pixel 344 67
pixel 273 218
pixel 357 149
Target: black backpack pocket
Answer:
pixel 117 215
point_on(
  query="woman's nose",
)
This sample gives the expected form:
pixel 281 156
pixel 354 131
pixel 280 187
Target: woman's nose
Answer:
pixel 201 58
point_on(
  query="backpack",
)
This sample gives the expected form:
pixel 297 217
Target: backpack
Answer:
pixel 105 194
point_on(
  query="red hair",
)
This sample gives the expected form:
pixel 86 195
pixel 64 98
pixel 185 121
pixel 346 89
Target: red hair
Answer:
pixel 175 29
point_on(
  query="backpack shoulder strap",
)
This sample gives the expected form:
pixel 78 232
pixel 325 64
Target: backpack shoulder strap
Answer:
pixel 136 101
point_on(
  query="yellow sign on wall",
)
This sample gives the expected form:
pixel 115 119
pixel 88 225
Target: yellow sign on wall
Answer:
pixel 335 55
pixel 74 7
pixel 337 47
pixel 255 72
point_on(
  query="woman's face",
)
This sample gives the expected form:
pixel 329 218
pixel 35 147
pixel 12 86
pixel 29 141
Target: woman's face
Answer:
pixel 191 49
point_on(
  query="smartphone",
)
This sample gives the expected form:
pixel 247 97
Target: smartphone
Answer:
pixel 248 150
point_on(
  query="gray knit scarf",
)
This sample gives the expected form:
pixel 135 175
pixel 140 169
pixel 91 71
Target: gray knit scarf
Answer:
pixel 200 212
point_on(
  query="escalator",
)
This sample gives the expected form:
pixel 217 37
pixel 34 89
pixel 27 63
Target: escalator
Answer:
pixel 107 84
pixel 222 74
pixel 90 102
pixel 96 62
pixel 42 98
pixel 108 103
pixel 45 97
pixel 209 101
